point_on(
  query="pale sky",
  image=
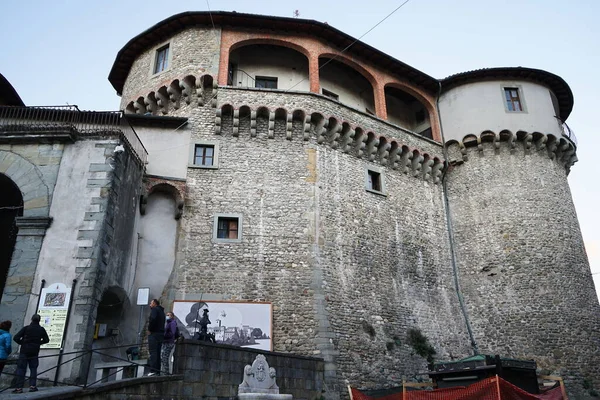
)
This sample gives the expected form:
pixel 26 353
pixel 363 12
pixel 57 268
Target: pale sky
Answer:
pixel 59 52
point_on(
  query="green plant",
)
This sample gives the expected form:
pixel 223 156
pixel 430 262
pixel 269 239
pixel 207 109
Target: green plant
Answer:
pixel 420 344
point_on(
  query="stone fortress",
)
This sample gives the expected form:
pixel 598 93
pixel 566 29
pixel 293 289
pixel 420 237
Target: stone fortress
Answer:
pixel 288 163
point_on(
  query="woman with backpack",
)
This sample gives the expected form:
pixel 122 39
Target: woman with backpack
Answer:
pixel 171 335
pixel 5 343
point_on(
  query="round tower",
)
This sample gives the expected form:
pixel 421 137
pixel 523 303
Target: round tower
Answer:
pixel 523 270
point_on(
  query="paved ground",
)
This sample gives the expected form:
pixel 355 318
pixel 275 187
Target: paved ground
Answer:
pixel 43 393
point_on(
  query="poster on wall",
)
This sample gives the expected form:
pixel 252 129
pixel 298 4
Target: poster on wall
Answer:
pixel 54 307
pixel 244 324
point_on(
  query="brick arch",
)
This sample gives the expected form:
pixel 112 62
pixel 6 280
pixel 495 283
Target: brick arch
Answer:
pixel 231 43
pixel 26 175
pixel 269 41
pixel 427 101
pixel 171 187
pixel 354 65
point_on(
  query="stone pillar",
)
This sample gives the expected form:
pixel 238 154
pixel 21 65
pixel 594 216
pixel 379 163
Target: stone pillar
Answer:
pixel 22 269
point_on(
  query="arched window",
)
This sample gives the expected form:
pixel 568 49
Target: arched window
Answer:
pixel 11 207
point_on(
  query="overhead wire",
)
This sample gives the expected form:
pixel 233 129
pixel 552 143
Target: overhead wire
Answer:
pixel 328 61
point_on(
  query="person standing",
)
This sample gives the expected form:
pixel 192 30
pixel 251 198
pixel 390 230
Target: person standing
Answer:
pixel 156 333
pixel 30 337
pixel 168 344
pixel 5 343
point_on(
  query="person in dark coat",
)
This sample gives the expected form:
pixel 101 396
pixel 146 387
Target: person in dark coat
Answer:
pixel 156 333
pixel 5 343
pixel 30 337
pixel 168 344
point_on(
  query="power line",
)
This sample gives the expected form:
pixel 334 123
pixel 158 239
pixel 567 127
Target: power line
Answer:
pixel 351 44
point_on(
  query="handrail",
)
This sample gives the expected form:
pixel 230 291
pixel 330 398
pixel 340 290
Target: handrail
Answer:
pixel 70 119
pixel 245 75
pixel 566 130
pixel 79 354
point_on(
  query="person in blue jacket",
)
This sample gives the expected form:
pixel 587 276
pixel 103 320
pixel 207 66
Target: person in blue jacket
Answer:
pixel 5 342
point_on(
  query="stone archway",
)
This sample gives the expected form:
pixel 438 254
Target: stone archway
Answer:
pixel 31 223
pixel 11 207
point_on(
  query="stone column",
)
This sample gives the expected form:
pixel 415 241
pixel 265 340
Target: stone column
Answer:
pixel 23 266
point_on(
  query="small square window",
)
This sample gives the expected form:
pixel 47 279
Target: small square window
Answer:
pixel 227 228
pixel 513 99
pixel 162 59
pixel 265 82
pixel 374 180
pixel 204 155
pixel 330 94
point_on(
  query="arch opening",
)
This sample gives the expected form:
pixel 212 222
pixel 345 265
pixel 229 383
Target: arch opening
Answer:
pixel 343 83
pixel 406 111
pixel 11 207
pixel 268 66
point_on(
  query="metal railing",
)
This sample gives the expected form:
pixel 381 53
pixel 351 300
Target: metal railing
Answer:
pixel 566 130
pixel 69 119
pixel 76 355
pixel 242 78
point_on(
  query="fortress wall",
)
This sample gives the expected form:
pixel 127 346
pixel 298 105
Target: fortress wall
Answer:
pixel 348 271
pixel 523 268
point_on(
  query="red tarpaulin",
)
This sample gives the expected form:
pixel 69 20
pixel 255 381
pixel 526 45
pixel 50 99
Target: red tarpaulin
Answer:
pixel 493 388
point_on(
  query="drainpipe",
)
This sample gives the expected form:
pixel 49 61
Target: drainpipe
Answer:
pixel 450 229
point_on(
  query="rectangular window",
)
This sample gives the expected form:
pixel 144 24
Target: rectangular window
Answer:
pixel 227 228
pixel 265 82
pixel 162 59
pixel 204 155
pixel 330 94
pixel 513 99
pixel 374 180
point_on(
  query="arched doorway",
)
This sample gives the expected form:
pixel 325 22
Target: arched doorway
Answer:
pixel 11 207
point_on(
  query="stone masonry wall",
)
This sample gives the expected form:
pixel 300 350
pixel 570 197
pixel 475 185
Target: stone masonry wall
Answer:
pixel 523 268
pixel 34 169
pixel 213 371
pixel 103 262
pixel 348 271
pixel 194 51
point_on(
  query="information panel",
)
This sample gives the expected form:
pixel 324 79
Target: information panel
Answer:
pixel 54 308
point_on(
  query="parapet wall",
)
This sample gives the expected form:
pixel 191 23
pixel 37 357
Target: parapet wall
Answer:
pixel 213 371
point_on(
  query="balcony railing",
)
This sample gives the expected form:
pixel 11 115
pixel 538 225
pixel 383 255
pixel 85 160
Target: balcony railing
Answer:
pixel 69 120
pixel 566 131
pixel 242 78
